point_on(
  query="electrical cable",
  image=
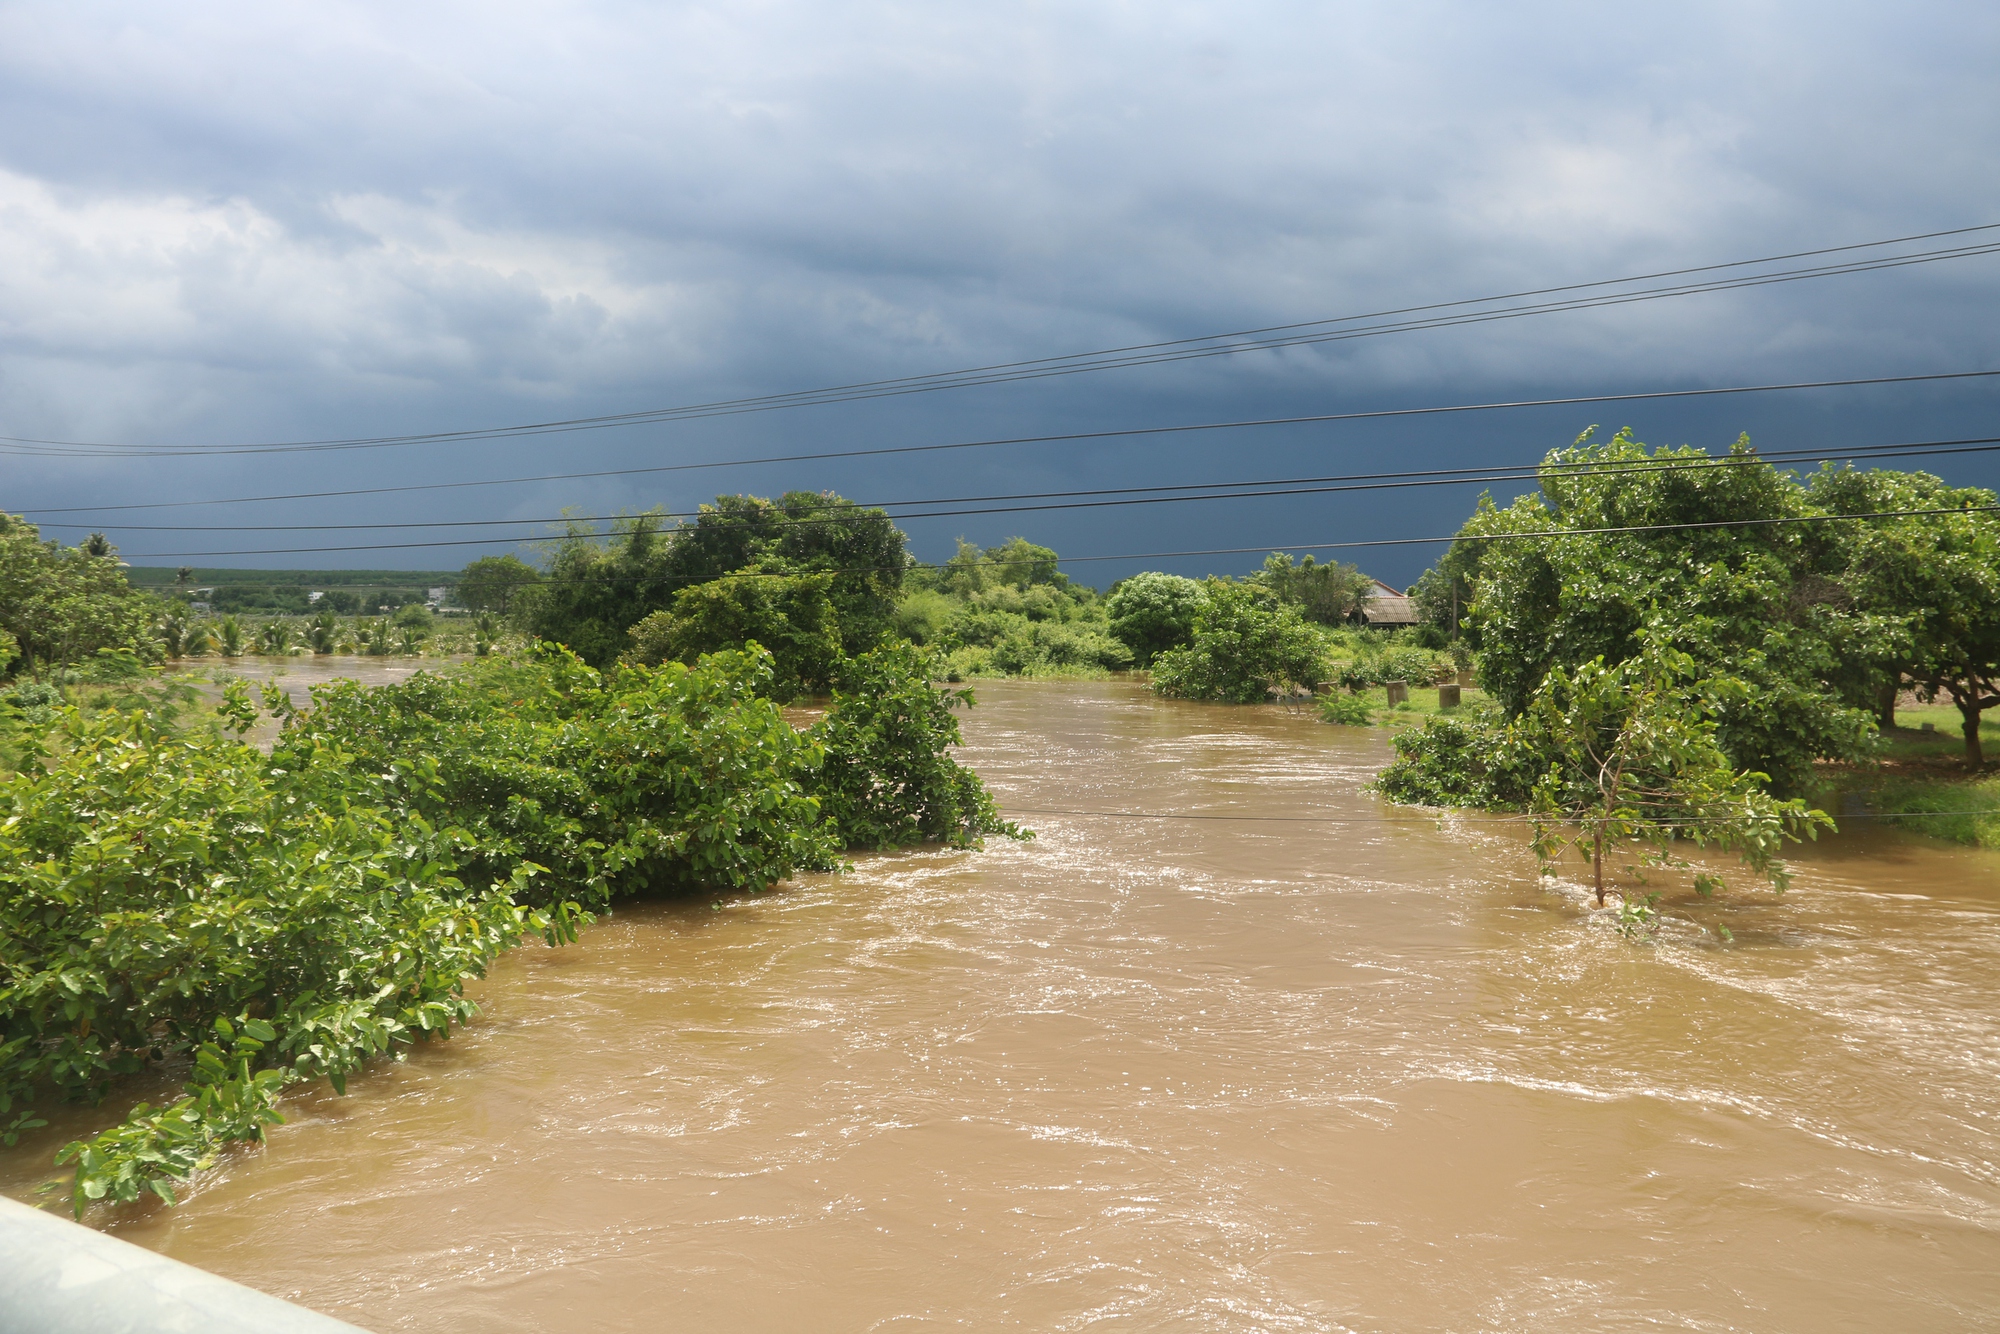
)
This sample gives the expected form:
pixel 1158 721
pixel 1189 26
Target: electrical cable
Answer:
pixel 863 511
pixel 1067 437
pixel 1166 555
pixel 1281 336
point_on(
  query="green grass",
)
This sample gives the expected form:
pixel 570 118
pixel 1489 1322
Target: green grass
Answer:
pixel 1965 811
pixel 1908 741
pixel 1423 702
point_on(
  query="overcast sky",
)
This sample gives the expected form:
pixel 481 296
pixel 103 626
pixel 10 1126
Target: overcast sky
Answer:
pixel 226 223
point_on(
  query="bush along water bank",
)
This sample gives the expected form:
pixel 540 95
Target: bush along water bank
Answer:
pixel 183 901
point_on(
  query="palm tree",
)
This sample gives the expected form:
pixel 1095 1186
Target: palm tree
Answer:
pixel 231 634
pixel 97 544
pixel 274 639
pixel 173 634
pixel 321 632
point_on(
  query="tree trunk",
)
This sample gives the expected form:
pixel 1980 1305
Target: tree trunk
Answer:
pixel 1597 865
pixel 1885 702
pixel 1975 757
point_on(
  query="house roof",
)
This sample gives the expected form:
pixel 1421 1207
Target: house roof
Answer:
pixel 1385 606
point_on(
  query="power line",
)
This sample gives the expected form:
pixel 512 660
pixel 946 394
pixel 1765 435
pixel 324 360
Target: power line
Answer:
pixel 1213 345
pixel 1539 534
pixel 1065 437
pixel 1142 495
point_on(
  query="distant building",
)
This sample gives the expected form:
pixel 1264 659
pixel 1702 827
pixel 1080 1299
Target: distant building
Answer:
pixel 1386 607
pixel 314 596
pixel 436 594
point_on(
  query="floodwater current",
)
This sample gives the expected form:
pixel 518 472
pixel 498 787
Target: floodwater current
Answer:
pixel 1333 1066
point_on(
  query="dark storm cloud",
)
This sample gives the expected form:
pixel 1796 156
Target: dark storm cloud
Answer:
pixel 238 222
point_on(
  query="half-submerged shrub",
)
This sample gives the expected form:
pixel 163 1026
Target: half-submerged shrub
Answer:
pixel 888 778
pixel 1245 646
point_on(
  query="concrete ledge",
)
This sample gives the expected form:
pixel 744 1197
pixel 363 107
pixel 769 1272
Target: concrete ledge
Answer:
pixel 59 1277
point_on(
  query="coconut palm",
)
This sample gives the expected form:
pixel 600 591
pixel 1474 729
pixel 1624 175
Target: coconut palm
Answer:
pixel 322 631
pixel 230 635
pixel 274 639
pixel 173 632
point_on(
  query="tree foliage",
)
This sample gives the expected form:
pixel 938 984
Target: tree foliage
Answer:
pixel 492 582
pixel 1930 580
pixel 1153 612
pixel 1758 601
pixel 1612 757
pixel 1246 644
pixel 1008 611
pixel 61 604
pixel 792 617
pixel 177 896
pixel 1329 594
pixel 173 898
pixel 889 778
pixel 600 586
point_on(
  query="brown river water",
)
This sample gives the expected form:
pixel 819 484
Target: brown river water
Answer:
pixel 1330 1068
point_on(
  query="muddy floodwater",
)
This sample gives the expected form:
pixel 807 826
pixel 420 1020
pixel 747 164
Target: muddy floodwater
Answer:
pixel 1328 1068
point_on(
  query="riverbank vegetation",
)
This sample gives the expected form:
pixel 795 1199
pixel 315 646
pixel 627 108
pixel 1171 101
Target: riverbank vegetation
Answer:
pixel 1793 612
pixel 177 901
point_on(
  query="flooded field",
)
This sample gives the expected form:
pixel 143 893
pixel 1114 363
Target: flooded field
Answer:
pixel 1231 1046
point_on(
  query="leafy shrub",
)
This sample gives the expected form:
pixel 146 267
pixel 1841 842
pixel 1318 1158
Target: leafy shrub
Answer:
pixel 887 779
pixel 1153 612
pixel 646 780
pixel 793 618
pixel 278 918
pixel 1420 667
pixel 1042 646
pixel 178 896
pixel 1447 762
pixel 1244 646
pixel 1346 710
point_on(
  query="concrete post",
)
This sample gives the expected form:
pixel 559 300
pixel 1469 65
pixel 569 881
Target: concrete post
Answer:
pixel 1399 691
pixel 1447 697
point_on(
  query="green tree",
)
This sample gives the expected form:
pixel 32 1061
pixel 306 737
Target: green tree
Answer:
pixel 1246 645
pixel 802 532
pixel 1153 612
pixel 1329 594
pixel 1634 761
pixel 1612 758
pixel 792 617
pixel 62 604
pixel 1928 584
pixel 888 779
pixel 491 583
pixel 1757 600
pixel 599 587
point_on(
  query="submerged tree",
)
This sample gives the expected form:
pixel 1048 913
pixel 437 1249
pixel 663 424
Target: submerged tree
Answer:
pixel 1628 757
pixel 1573 572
